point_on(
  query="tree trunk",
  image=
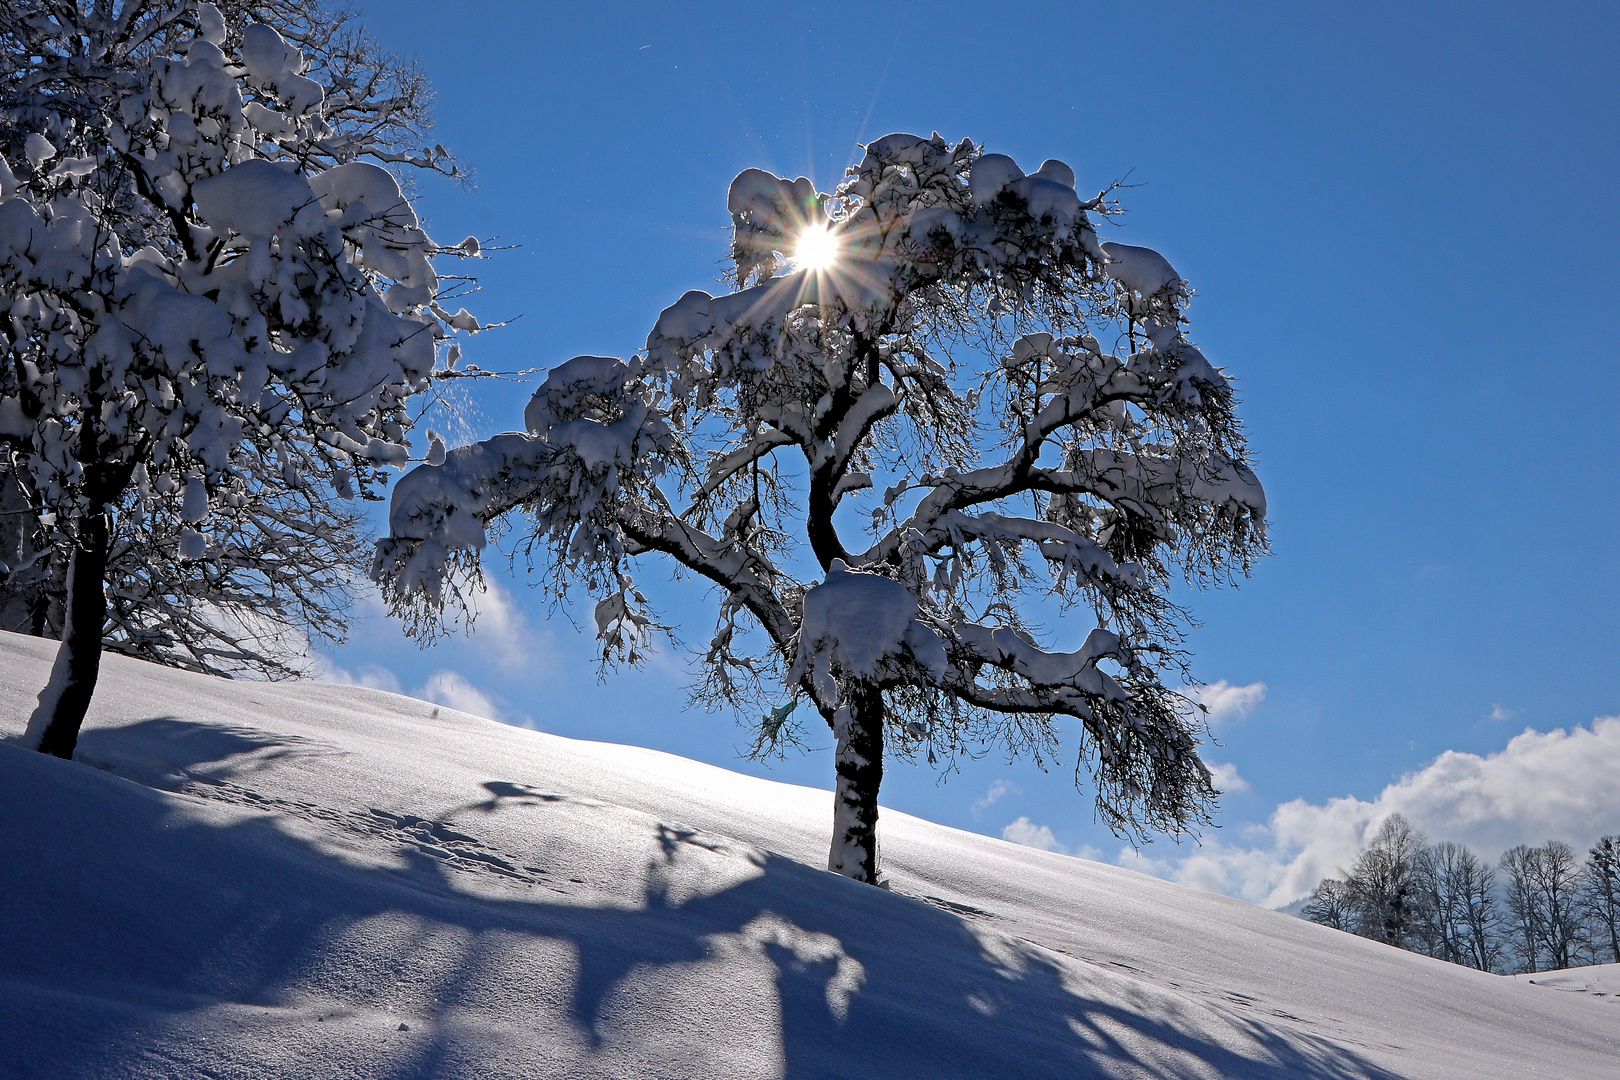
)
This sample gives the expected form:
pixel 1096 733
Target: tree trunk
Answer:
pixel 858 728
pixel 54 726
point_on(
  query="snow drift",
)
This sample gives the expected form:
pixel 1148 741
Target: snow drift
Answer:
pixel 250 880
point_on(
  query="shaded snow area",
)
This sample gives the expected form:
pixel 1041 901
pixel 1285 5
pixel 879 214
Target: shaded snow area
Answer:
pixel 304 880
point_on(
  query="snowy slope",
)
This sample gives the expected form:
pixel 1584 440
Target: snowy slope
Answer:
pixel 297 870
pixel 1599 980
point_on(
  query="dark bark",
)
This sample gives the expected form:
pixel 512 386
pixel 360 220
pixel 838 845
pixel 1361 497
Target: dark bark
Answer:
pixel 1614 932
pixel 66 699
pixel 38 622
pixel 824 542
pixel 859 763
pixel 820 504
pixel 79 656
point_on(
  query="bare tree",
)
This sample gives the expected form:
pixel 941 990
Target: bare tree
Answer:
pixel 1456 906
pixel 1542 904
pixel 1439 900
pixel 1437 929
pixel 918 355
pixel 1601 884
pixel 1524 912
pixel 1383 884
pixel 213 305
pixel 1475 888
pixel 1330 905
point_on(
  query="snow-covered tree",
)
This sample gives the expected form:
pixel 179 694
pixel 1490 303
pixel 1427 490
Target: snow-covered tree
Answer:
pixel 939 354
pixel 213 300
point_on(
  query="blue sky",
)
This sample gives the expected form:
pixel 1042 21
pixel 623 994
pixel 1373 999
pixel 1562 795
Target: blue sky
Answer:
pixel 1400 222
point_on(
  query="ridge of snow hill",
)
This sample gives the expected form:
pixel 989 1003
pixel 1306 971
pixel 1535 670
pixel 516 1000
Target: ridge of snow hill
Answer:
pixel 241 879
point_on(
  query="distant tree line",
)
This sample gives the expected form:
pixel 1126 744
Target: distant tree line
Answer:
pixel 1539 909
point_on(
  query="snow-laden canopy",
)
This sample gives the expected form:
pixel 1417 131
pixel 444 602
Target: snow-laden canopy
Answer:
pixel 216 309
pixel 214 304
pixel 240 295
pixel 942 386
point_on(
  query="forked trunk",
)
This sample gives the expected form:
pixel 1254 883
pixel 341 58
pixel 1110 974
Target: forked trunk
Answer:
pixel 858 728
pixel 54 726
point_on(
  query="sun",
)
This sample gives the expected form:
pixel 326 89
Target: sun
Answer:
pixel 817 248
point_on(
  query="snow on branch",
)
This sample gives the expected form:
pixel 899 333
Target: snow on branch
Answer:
pixel 726 466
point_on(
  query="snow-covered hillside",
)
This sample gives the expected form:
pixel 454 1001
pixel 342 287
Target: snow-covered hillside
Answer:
pixel 302 880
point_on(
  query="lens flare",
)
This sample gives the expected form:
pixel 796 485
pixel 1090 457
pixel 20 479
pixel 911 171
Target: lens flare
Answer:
pixel 817 248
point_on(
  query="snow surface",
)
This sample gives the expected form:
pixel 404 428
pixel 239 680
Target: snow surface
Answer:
pixel 254 880
pixel 1598 980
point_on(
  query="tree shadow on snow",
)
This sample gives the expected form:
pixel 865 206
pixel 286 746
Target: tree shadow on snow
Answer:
pixel 119 910
pixel 166 751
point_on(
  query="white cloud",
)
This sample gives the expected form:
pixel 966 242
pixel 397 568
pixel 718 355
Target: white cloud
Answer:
pixel 501 628
pixel 998 790
pixel 1227 703
pixel 374 676
pixel 1558 785
pixel 1026 832
pixel 1499 714
pixel 1226 777
pixel 451 689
